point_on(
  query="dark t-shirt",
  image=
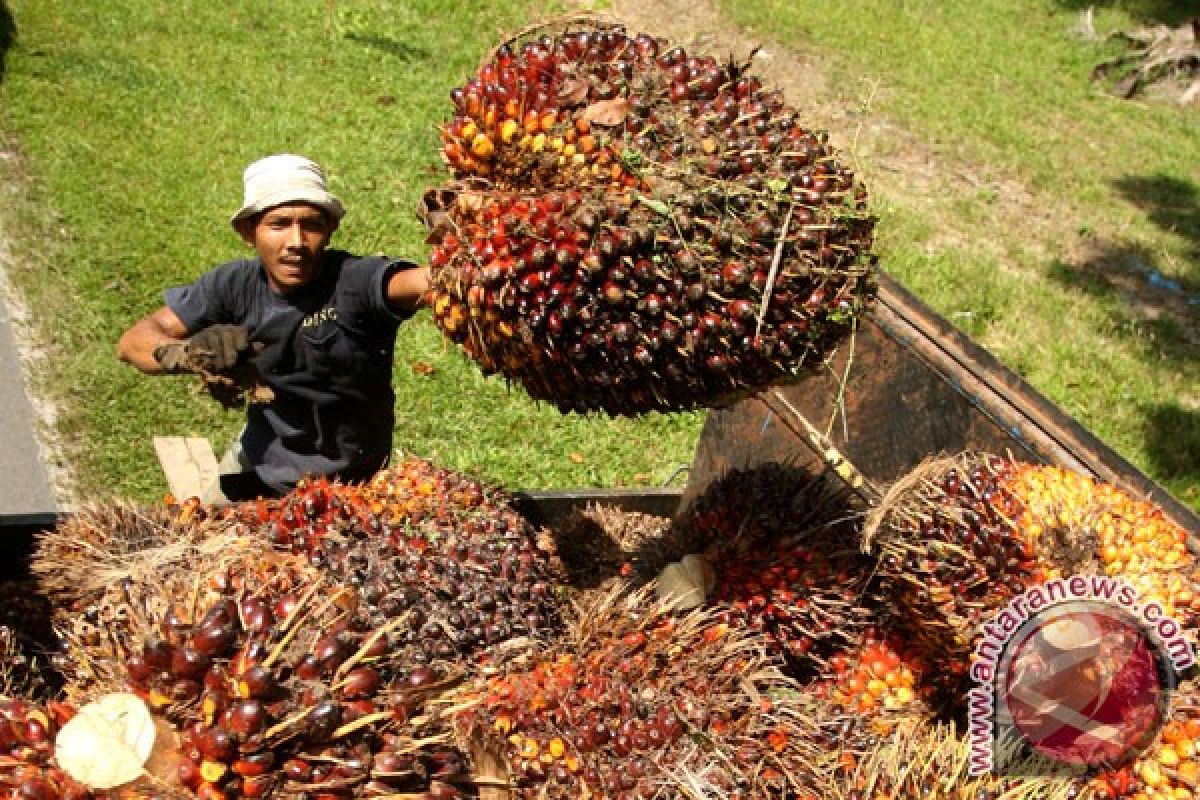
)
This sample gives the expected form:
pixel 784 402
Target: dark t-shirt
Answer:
pixel 328 358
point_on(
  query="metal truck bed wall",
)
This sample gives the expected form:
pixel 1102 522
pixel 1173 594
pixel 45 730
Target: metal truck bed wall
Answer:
pixel 908 387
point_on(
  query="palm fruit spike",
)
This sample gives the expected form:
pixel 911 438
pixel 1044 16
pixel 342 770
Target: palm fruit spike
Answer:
pixel 27 768
pixel 784 549
pixel 951 554
pixel 634 230
pixel 636 702
pixel 447 550
pixel 920 761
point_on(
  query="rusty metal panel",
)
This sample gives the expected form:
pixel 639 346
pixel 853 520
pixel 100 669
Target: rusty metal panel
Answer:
pixel 908 386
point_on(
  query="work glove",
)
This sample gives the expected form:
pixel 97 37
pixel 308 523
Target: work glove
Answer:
pixel 216 355
pixel 215 349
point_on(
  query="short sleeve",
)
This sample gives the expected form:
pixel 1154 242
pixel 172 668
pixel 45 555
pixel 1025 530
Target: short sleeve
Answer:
pixel 378 294
pixel 212 299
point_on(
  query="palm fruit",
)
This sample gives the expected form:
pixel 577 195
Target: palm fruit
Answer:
pixel 27 768
pixel 923 761
pixel 882 672
pixel 637 702
pixel 785 553
pixel 959 538
pixel 1130 538
pixel 951 554
pixel 1169 768
pixel 631 228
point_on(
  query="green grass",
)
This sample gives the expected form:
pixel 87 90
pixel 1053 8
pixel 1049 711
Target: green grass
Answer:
pixel 134 121
pixel 1001 88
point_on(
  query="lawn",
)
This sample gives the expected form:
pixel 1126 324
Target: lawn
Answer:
pixel 1070 249
pixel 133 122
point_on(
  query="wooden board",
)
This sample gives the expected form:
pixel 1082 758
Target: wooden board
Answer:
pixel 188 463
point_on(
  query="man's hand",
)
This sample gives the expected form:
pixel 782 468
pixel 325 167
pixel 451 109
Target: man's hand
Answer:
pixel 215 349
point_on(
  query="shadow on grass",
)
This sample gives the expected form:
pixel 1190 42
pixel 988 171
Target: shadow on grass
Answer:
pixel 1150 12
pixel 402 50
pixel 1172 204
pixel 8 34
pixel 1130 278
pixel 1173 443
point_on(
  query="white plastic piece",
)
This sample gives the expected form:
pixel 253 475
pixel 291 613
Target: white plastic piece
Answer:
pixel 107 743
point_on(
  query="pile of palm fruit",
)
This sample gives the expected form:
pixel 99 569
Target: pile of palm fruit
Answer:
pixel 630 228
pixel 407 637
pixel 293 646
pixel 640 702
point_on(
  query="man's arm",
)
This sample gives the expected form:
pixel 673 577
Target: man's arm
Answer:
pixel 137 345
pixel 406 288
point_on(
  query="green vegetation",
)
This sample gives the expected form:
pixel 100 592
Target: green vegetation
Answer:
pixel 1060 227
pixel 134 121
pixel 1072 252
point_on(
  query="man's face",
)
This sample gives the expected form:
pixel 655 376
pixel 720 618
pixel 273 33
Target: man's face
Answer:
pixel 289 239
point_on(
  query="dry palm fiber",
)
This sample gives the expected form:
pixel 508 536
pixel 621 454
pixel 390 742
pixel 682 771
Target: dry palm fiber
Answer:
pixel 639 702
pixel 633 228
pixel 601 545
pixel 920 761
pixel 28 644
pixel 785 551
pixel 103 545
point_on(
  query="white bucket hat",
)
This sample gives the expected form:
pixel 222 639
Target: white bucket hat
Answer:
pixel 284 178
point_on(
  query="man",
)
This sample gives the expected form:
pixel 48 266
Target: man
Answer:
pixel 319 325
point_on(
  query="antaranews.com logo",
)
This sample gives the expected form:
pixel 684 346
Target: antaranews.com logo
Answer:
pixel 1072 675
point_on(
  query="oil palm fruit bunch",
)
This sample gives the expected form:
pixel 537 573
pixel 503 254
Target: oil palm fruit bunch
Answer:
pixel 281 680
pixel 958 538
pixel 1130 537
pixel 638 702
pixel 784 550
pixel 27 767
pixel 439 546
pixel 632 228
pixel 951 553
